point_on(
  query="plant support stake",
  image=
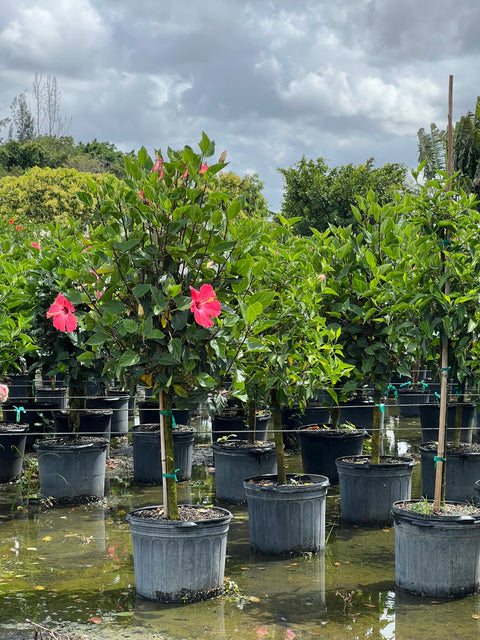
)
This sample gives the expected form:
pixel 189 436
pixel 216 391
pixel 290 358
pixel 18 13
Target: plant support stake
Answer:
pixel 440 469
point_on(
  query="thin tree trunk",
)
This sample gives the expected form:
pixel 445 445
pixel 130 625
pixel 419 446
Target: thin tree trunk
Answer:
pixel 170 503
pixel 277 432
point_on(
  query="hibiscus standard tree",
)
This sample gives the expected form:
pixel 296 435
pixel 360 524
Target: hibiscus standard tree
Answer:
pixel 171 270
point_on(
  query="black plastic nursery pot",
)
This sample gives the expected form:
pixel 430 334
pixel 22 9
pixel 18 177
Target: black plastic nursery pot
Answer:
pixel 436 555
pixel 12 449
pixel 72 469
pixel 96 422
pixel 293 418
pixel 321 447
pixel 237 460
pixel 120 408
pixel 179 561
pixel 358 413
pixel 149 413
pixel 461 473
pixel 286 519
pixel 35 415
pixel 225 425
pixel 55 397
pixel 367 491
pixel 429 418
pixel 147 454
pixel 408 401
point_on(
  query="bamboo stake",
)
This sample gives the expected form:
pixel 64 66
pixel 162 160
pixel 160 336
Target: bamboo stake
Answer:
pixel 441 448
pixel 163 456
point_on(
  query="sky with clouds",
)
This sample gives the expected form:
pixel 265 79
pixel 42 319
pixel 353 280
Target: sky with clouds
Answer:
pixel 268 80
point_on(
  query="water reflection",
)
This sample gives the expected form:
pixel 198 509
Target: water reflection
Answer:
pixel 71 564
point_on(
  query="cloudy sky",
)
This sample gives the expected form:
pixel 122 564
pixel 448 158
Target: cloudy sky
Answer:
pixel 268 80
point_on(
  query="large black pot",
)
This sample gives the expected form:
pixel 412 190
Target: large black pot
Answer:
pixel 33 414
pixel 57 397
pixel 95 422
pixel 177 561
pixel 321 447
pixel 286 519
pixel 149 413
pixel 367 491
pixel 430 415
pixel 236 425
pixel 408 401
pixel 436 555
pixel 12 450
pixel 72 469
pixel 461 473
pixel 358 413
pixel 293 418
pixel 147 453
pixel 237 460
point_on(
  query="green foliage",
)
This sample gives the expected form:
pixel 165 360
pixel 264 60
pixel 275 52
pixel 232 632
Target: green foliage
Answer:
pixel 249 189
pixel 432 149
pixel 44 195
pixel 321 196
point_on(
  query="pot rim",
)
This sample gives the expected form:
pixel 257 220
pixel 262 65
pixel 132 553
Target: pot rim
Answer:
pixel 407 461
pixel 225 516
pixel 305 430
pixel 434 517
pixel 318 480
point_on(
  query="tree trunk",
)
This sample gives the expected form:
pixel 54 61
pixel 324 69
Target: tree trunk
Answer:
pixel 168 461
pixel 277 431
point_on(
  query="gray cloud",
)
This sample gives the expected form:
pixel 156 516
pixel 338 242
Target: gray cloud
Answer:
pixel 269 80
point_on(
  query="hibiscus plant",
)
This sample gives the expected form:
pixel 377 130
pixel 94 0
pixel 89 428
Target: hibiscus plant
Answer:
pixel 367 275
pixel 290 353
pixel 168 270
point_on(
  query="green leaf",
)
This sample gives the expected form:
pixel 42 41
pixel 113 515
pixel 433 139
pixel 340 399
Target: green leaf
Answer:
pixel 253 311
pixel 128 359
pixel 141 289
pixel 86 356
pixel 205 380
pixel 114 307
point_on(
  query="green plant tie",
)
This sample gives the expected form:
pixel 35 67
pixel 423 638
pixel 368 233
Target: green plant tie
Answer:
pixel 405 384
pixel 394 389
pixel 169 413
pixel 458 393
pixel 438 459
pixel 171 475
pixel 445 368
pixel 437 397
pixel 424 385
pixel 19 410
pixel 382 407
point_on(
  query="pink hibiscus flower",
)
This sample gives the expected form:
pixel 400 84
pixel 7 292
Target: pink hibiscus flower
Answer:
pixel 157 167
pixel 203 168
pixel 3 392
pixel 205 305
pixel 62 311
pixel 35 245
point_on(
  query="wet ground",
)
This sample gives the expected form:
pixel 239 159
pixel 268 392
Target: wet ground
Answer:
pixel 70 569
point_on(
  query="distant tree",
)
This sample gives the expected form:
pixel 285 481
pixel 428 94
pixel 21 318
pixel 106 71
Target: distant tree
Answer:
pixel 3 123
pixel 250 188
pixel 46 99
pixel 22 123
pixel 432 148
pixel 46 195
pixel 322 196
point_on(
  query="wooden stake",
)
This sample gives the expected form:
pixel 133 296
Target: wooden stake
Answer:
pixel 441 448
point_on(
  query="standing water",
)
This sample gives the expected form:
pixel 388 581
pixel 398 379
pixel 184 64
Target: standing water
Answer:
pixel 70 569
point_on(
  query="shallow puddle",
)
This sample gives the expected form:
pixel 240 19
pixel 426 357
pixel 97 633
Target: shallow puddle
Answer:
pixel 71 569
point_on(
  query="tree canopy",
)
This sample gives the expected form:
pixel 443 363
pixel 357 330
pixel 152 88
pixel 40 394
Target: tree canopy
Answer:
pixel 321 195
